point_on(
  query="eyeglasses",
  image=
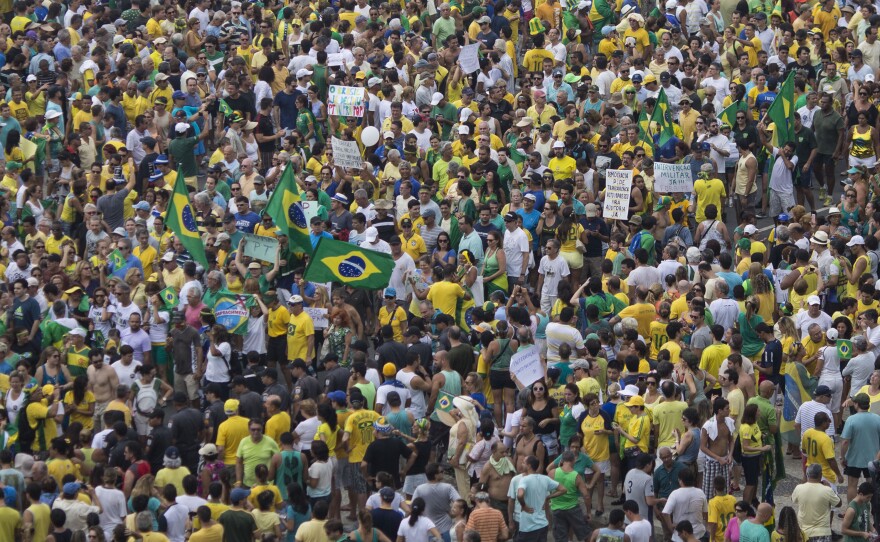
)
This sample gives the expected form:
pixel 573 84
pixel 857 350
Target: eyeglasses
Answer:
pixel 651 383
pixel 740 117
pixel 863 93
pixel 850 195
pixel 642 155
pixel 537 389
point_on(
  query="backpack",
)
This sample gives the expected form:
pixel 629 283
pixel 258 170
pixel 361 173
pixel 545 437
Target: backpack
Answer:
pixel 678 242
pixel 234 365
pixel 146 399
pixel 26 434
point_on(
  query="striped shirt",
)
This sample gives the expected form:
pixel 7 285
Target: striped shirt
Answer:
pixel 807 413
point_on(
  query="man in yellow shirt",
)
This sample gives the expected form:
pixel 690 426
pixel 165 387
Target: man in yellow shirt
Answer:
pixel 300 332
pixel 279 420
pixel 172 273
pixel 154 23
pixel 41 415
pixel 413 244
pixel 818 447
pixel 358 434
pixel 533 60
pixel 561 165
pixel 231 432
pixel 709 191
pixel 444 295
pixel 641 41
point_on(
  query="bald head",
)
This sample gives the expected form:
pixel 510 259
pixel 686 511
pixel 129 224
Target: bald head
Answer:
pixel 684 286
pixel 764 513
pixel 766 389
pixel 641 293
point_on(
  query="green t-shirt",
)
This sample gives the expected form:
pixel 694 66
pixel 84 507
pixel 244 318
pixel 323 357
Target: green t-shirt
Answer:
pixel 569 499
pixel 238 524
pixel 183 150
pixel 253 454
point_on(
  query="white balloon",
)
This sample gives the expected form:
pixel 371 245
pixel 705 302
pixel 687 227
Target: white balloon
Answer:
pixel 370 136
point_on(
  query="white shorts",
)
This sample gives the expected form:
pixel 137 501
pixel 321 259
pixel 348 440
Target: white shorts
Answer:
pixel 142 424
pixel 600 466
pixel 868 162
pixel 836 393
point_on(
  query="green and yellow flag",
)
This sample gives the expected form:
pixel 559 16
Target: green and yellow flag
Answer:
pixel 728 116
pixel 645 129
pixel 781 113
pixel 286 212
pixel 338 261
pixel 443 408
pixel 225 109
pixel 231 311
pixel 663 117
pixel 116 259
pixel 181 220
pixel 170 298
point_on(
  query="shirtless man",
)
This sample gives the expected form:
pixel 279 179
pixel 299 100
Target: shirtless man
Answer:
pixel 716 442
pixel 340 300
pixel 528 443
pixel 746 382
pixel 103 381
pixel 497 484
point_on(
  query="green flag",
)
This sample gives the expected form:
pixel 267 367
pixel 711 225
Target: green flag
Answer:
pixel 844 349
pixel 338 261
pixel 645 129
pixel 181 220
pixel 728 116
pixel 287 214
pixel 663 117
pixel 170 298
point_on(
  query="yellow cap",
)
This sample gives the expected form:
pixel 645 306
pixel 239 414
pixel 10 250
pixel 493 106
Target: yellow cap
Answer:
pixel 389 369
pixel 230 406
pixel 48 389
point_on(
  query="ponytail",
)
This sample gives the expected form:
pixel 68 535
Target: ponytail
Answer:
pixel 416 510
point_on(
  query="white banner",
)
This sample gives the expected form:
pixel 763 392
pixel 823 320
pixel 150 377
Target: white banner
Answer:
pixel 526 366
pixel 346 153
pixel 618 185
pixel 310 209
pixel 319 317
pixel 672 178
pixel 345 101
pixel 469 58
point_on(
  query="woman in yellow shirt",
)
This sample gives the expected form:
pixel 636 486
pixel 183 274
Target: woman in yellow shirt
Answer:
pixel 638 432
pixel 80 403
pixel 596 444
pixel 392 315
pixel 751 442
pixel 569 233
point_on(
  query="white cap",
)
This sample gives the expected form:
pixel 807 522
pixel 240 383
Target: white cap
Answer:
pixel 671 4
pixel 294 299
pixel 583 4
pixel 814 300
pixel 118 38
pixel 435 99
pixel 464 130
pixel 856 240
pixel 52 114
pixel 630 390
pixel 373 81
pixel 31 77
pixel 465 114
pixel 371 234
pixel 750 229
pixel 559 145
pixel 388 134
pixel 77 331
pixel 869 78
pixel 168 257
pixel 302 72
pixel 832 334
pixel 181 127
pixel 120 231
pixel 33 281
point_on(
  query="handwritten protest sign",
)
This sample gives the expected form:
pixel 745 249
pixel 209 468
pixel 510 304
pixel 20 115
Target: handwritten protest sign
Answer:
pixel 345 101
pixel 672 178
pixel 618 183
pixel 310 209
pixel 319 317
pixel 260 247
pixel 526 366
pixel 346 153
pixel 469 58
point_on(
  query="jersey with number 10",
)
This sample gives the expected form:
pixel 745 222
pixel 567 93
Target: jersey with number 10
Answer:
pixel 359 426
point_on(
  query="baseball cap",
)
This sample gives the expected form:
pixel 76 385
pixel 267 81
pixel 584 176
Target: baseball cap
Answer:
pixel 294 299
pixel 822 389
pixel 338 396
pixel 230 406
pixel 371 234
pixel 749 229
pixel 510 217
pixel 856 240
pixel 389 369
pixel 814 300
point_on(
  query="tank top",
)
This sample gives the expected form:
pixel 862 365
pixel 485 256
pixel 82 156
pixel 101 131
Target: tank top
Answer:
pixel 453 439
pixel 568 480
pixel 609 535
pixel 400 421
pixel 417 397
pixel 548 232
pixel 710 231
pixel 491 266
pixel 357 536
pixel 502 360
pixel 57 380
pixel 289 472
pixel 742 177
pixel 862 144
pixel 13 406
pixel 40 513
pixel 690 455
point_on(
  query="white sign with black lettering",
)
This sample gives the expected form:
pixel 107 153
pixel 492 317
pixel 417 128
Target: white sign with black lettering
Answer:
pixel 671 178
pixel 618 185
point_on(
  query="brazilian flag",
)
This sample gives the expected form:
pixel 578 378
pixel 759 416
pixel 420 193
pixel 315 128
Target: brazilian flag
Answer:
pixel 338 261
pixel 663 117
pixel 181 220
pixel 116 259
pixel 225 109
pixel 728 116
pixel 781 113
pixel 170 298
pixel 286 212
pixel 231 311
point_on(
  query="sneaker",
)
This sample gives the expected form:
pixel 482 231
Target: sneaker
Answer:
pixel 760 214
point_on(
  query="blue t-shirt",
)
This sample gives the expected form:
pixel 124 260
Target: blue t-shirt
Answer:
pixel 752 532
pixel 247 222
pixel 537 487
pixel 309 289
pixel 530 222
pixel 863 432
pixel 315 238
pixel 287 108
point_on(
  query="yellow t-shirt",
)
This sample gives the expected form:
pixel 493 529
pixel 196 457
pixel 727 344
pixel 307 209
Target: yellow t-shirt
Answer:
pixel 59 468
pixel 658 337
pixel 750 433
pixel 414 246
pixel 445 295
pixel 35 413
pixel 229 434
pixel 359 427
pixel 278 319
pixel 257 489
pixel 667 416
pixel 147 256
pixel 299 329
pixel 19 111
pixel 712 358
pixel 276 425
pixel 595 446
pixel 721 511
pixel 640 428
pixel 819 448
pixel 395 319
pixel 88 399
pixel 644 313
pixel 562 168
pixel 674 350
pixel 172 476
pixel 330 437
pixel 641 37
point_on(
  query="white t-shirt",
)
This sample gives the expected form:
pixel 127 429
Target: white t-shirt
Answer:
pixel 126 374
pixel 516 243
pixel 553 271
pixel 123 314
pixel 323 471
pixel 113 509
pixel 306 430
pixel 687 503
pixel 639 531
pixel 803 321
pixel 416 532
pixel 217 369
pixel 402 266
pixel 558 333
pixel 382 397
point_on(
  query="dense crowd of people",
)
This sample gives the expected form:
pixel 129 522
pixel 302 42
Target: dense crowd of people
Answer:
pixel 548 358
